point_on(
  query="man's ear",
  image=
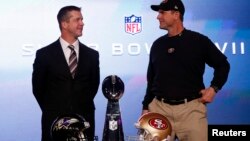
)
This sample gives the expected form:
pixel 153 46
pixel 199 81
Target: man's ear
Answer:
pixel 177 14
pixel 64 24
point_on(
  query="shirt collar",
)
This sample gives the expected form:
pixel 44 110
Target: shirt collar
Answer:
pixel 65 44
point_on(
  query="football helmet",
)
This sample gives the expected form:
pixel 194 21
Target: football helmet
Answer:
pixel 69 127
pixel 153 126
pixel 113 87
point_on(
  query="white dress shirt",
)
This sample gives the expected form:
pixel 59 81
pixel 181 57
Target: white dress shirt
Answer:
pixel 66 49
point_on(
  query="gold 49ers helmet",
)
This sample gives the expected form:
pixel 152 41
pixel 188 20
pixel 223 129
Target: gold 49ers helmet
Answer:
pixel 154 126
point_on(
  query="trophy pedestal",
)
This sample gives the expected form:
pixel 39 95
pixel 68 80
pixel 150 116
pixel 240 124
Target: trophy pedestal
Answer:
pixel 113 89
pixel 113 130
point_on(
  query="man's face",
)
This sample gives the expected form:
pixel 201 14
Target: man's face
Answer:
pixel 166 19
pixel 74 25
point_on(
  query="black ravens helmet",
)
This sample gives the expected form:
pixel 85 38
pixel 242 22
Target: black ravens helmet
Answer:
pixel 69 127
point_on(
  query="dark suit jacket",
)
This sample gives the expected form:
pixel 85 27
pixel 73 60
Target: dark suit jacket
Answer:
pixel 53 87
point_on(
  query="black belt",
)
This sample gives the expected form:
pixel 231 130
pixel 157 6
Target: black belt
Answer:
pixel 176 102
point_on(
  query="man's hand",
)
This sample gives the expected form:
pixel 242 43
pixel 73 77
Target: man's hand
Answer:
pixel 144 112
pixel 208 95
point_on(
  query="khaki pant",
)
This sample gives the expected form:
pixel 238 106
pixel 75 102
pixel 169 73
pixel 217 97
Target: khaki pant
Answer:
pixel 188 120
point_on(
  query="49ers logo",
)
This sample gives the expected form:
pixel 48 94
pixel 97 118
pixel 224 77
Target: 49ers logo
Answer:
pixel 158 123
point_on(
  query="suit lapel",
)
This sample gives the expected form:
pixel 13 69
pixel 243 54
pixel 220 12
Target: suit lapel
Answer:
pixel 79 60
pixel 81 64
pixel 60 58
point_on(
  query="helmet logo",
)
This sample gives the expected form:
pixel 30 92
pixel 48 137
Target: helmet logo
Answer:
pixel 65 123
pixel 165 1
pixel 158 123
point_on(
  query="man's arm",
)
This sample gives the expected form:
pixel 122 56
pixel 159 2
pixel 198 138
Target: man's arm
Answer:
pixel 39 78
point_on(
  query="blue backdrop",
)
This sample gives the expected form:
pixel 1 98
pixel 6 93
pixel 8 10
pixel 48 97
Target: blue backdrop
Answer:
pixel 28 25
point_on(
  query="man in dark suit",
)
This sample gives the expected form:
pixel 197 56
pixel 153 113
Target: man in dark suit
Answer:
pixel 55 88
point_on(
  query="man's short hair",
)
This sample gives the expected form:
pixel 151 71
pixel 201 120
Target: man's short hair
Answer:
pixel 63 13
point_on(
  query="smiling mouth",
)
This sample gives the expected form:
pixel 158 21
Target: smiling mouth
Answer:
pixel 80 29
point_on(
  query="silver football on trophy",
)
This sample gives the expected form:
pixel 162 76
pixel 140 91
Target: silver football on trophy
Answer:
pixel 113 87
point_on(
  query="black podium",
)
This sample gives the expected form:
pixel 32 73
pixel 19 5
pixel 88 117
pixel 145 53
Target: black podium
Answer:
pixel 113 89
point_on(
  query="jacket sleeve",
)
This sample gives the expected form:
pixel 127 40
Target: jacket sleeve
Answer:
pixel 218 61
pixel 39 77
pixel 95 75
pixel 149 96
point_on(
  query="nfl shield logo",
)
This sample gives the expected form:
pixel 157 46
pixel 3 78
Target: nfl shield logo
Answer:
pixel 113 125
pixel 133 24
